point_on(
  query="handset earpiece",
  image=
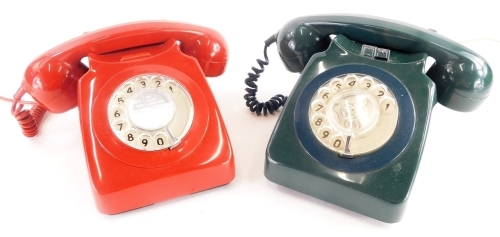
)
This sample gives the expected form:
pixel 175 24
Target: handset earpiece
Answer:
pixel 463 78
pixel 52 83
pixel 298 42
pixel 209 49
pixel 463 82
pixel 51 78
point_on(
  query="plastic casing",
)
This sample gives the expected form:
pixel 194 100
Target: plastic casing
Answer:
pixel 382 193
pixel 124 178
pixel 376 184
pixel 463 78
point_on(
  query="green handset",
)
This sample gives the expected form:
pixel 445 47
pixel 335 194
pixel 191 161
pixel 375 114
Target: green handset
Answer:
pixel 353 129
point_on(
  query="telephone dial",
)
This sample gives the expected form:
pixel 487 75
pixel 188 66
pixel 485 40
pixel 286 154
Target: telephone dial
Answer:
pixel 150 124
pixel 353 129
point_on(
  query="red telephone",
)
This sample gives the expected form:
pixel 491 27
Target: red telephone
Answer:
pixel 151 127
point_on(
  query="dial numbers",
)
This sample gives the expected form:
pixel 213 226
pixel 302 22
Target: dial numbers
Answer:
pixel 325 133
pixel 150 112
pixel 351 81
pixel 146 140
pixel 318 106
pixel 120 125
pixel 129 88
pixel 366 82
pixel 337 85
pixel 142 83
pixel 325 93
pixel 353 114
pixel 380 91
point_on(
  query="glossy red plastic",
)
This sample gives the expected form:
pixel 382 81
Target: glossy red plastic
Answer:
pixel 124 178
pixel 62 63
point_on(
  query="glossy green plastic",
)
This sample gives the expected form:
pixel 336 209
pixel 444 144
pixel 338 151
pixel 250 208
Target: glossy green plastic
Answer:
pixel 381 194
pixel 463 78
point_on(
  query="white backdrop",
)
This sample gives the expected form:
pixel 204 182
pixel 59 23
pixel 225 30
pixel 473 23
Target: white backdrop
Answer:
pixel 44 180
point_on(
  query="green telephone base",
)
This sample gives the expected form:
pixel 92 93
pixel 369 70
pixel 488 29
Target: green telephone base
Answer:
pixel 378 186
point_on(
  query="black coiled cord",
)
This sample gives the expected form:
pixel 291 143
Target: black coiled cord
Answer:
pixel 252 103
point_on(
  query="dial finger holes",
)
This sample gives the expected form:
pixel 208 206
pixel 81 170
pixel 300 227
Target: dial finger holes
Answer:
pixel 326 134
pixel 157 82
pixel 352 124
pixel 336 85
pixel 338 143
pixel 366 83
pixel 120 125
pixel 318 120
pixel 142 83
pixel 318 106
pixel 131 136
pixel 146 140
pixel 118 99
pixel 171 87
pixel 128 89
pixel 117 113
pixel 379 90
pixel 355 106
pixel 162 140
pixel 147 110
pixel 387 104
pixel 351 81
pixel 348 110
pixel 325 93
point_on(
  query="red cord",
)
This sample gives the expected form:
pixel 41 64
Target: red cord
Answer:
pixel 29 119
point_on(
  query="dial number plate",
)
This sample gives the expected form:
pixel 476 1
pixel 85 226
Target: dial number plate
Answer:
pixel 353 114
pixel 150 112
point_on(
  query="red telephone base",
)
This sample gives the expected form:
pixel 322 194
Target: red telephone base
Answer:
pixel 124 178
pixel 145 194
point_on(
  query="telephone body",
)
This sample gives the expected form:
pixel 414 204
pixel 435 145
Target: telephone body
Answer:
pixel 353 130
pixel 150 124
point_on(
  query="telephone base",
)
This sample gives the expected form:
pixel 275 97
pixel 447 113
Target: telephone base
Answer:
pixel 376 184
pixel 335 193
pixel 165 188
pixel 125 177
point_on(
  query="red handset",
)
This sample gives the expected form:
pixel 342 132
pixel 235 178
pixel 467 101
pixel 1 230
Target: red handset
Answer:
pixel 150 124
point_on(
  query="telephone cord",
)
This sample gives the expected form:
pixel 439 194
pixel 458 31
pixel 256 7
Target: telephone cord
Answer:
pixel 28 119
pixel 252 103
pixel 24 102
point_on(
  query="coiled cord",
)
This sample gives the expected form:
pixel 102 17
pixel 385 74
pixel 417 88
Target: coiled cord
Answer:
pixel 28 119
pixel 252 103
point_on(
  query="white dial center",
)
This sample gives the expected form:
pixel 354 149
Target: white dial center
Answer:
pixel 151 109
pixel 356 112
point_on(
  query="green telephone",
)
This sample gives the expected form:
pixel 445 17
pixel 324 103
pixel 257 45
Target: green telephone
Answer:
pixel 353 129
